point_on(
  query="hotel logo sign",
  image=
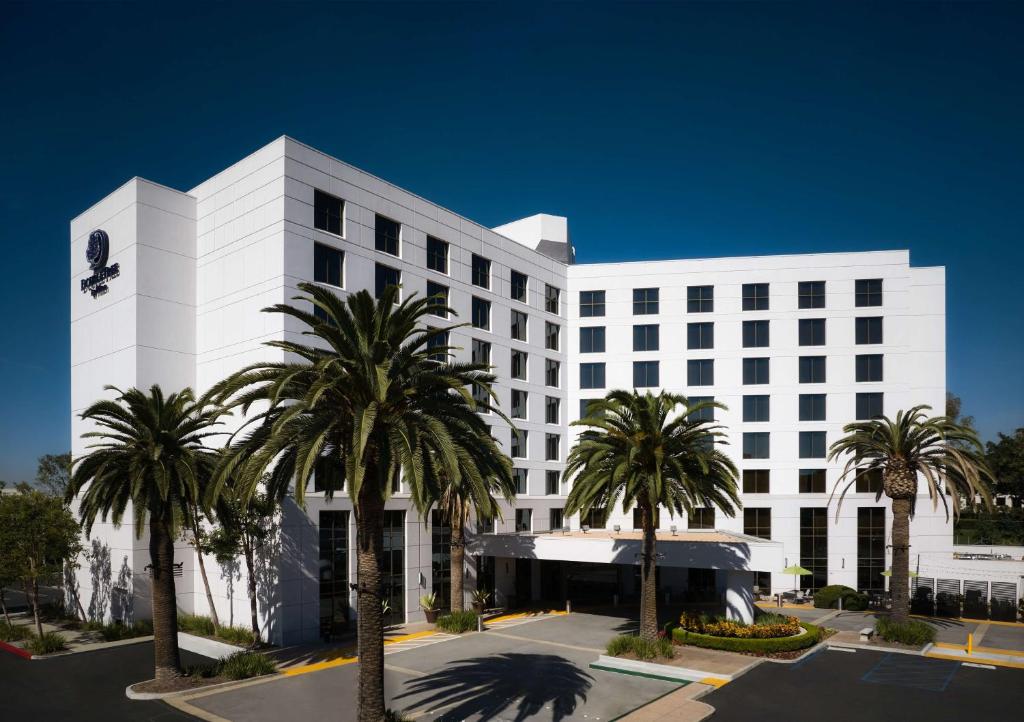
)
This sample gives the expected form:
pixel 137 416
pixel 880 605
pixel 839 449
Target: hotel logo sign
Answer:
pixel 96 252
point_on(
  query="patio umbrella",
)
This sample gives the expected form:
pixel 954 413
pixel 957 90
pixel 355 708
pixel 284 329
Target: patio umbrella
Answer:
pixel 796 570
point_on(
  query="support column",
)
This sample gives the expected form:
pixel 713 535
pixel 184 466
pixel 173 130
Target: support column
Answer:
pixel 739 596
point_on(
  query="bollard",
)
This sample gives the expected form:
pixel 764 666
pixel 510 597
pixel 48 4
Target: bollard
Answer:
pixel 615 600
pixel 479 623
pixel 568 606
pixel 970 643
pixel 840 604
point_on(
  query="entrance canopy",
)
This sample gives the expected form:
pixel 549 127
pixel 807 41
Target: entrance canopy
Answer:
pixel 711 549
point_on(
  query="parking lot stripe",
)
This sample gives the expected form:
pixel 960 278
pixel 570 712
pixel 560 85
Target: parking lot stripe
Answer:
pixel 544 641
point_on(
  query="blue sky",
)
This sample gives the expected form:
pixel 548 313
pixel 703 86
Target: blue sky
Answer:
pixel 662 130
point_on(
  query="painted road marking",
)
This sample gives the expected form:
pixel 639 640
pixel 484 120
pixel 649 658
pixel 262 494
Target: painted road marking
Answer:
pixel 979 666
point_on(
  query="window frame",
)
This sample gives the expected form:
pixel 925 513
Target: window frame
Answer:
pixel 810 294
pixel 756 296
pixel 432 255
pixel 752 332
pixel 480 265
pixel 379 234
pixel 317 195
pixel 592 334
pixel 700 335
pixel 696 300
pixel 592 305
pixel 643 368
pixel 642 303
pixel 324 252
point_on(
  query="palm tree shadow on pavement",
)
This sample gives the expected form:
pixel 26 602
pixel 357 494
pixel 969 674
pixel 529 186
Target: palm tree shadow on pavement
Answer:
pixel 488 686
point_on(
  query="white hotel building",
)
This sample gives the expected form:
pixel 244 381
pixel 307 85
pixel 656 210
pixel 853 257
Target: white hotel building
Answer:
pixel 794 345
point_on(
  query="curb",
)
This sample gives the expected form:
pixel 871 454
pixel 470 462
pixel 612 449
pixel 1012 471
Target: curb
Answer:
pixel 664 672
pixel 220 686
pixel 16 651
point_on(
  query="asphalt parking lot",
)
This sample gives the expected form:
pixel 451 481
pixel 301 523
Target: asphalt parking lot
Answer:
pixel 537 670
pixel 86 687
pixel 862 685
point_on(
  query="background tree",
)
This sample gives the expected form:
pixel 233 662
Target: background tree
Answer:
pixel 39 536
pixel 632 450
pixel 947 455
pixel 195 534
pixel 242 529
pixel 150 454
pixel 53 473
pixel 1006 459
pixel 371 397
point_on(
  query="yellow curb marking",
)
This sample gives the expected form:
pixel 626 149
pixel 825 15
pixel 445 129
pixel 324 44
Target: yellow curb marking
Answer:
pixel 979 660
pixel 342 661
pixel 522 615
pixel 715 681
pixel 989 650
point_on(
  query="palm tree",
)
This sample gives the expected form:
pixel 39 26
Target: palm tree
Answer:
pixel 368 402
pixel 150 454
pixel 944 453
pixel 633 451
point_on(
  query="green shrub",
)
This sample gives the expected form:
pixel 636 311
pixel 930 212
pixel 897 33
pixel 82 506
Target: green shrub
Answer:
pixel 912 631
pixel 642 648
pixel 828 597
pixel 767 626
pixel 198 624
pixel 49 643
pixel 457 622
pixel 393 716
pixel 116 631
pixel 13 632
pixel 811 636
pixel 243 665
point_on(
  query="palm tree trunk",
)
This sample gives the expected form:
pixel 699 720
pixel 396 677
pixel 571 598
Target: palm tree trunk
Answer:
pixel 370 624
pixel 250 571
pixel 648 580
pixel 899 582
pixel 458 563
pixel 167 659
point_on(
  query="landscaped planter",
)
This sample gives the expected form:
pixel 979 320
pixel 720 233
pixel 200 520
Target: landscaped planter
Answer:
pixel 810 636
pixel 654 670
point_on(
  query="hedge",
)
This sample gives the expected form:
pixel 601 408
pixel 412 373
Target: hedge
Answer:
pixel 828 598
pixel 757 646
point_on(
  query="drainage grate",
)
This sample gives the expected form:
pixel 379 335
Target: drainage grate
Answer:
pixel 902 670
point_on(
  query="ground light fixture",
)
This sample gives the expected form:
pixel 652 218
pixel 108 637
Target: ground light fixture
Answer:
pixel 672 529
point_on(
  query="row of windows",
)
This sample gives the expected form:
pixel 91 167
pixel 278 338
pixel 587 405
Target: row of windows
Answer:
pixel 868 330
pixel 552 482
pixel 520 444
pixel 701 372
pixel 520 402
pixel 329 215
pixel 810 481
pixel 480 317
pixel 480 353
pixel 701 299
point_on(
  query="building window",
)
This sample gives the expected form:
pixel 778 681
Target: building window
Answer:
pixel 702 517
pixel 551 298
pixel 638 522
pixel 700 335
pixel 755 296
pixel 518 328
pixel 645 338
pixel 524 519
pixel 812 407
pixel 328 213
pixel 591 304
pixel 333 564
pixel 811 481
pixel 755 371
pixel 870 548
pixel 812 369
pixel 386 235
pixel 814 547
pixel 437 255
pixel 385 276
pixel 519 366
pixel 519 442
pixel 869 329
pixel 482 398
pixel 869 367
pixel 551 410
pixel 592 339
pixel 519 286
pixel 440 555
pixel 868 481
pixel 519 403
pixel 551 373
pixel 755 445
pixel 328 264
pixel 551 484
pixel 596 518
pixel 551 333
pixel 551 444
pixel 812 332
pixel 438 343
pixel 812 445
pixel 592 376
pixel 481 314
pixel 645 373
pixel 522 480
pixel 811 294
pixel 755 334
pixel 700 299
pixel 706 413
pixel 585 408
pixel 755 408
pixel 757 522
pixel 481 271
pixel 869 406
pixel 700 372
pixel 645 301
pixel 868 292
pixel 480 352
pixel 557 518
pixel 756 481
pixel 438 298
